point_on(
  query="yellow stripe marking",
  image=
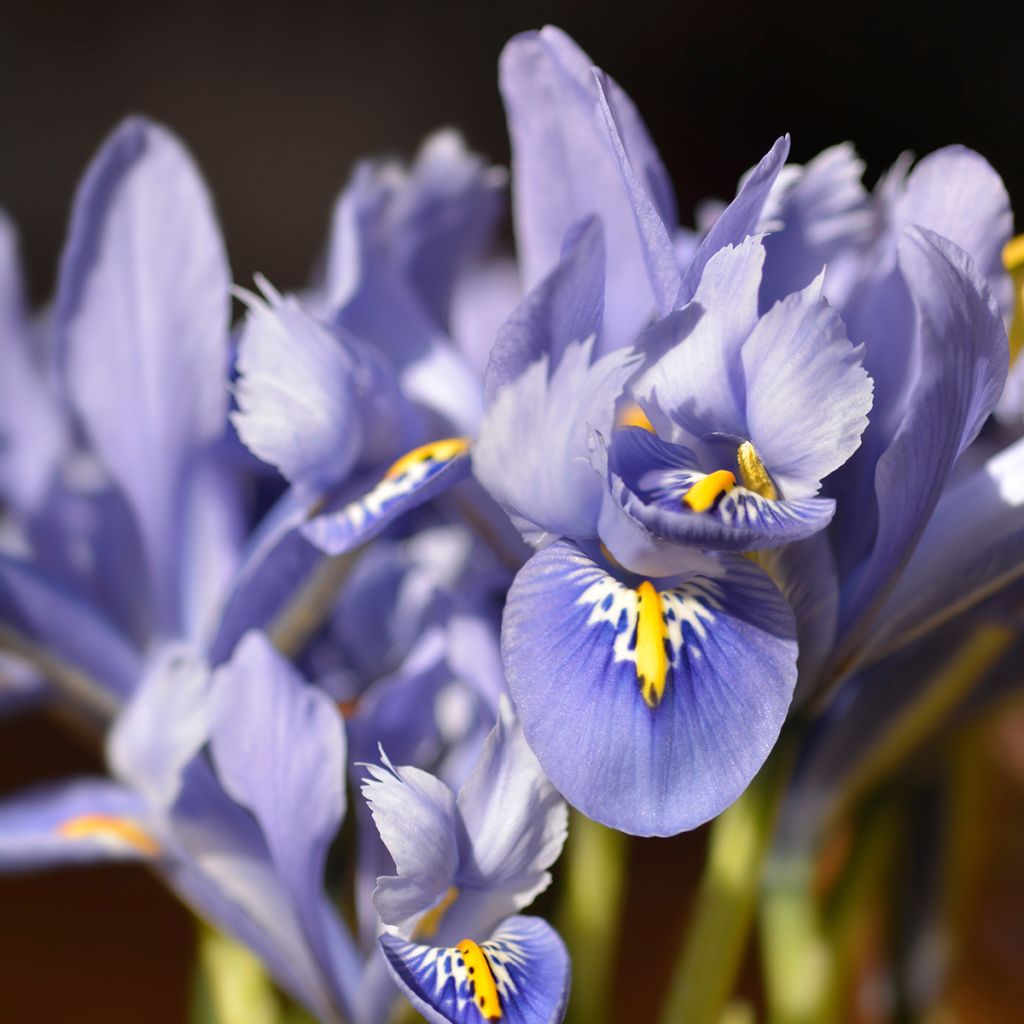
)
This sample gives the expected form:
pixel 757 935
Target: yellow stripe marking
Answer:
pixel 485 991
pixel 755 476
pixel 706 491
pixel 89 826
pixel 631 415
pixel 431 920
pixel 435 451
pixel 651 658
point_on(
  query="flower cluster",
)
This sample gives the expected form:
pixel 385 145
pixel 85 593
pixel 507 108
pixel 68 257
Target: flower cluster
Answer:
pixel 482 537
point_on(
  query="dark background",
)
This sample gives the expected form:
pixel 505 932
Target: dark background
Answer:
pixel 277 102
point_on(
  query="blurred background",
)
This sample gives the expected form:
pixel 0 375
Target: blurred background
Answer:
pixel 277 101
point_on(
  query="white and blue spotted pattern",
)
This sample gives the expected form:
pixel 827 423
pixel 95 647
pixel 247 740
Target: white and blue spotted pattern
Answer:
pixel 361 520
pixel 692 605
pixel 527 962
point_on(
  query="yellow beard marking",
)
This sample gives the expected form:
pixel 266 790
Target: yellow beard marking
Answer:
pixel 755 476
pixel 706 491
pixel 431 920
pixel 651 659
pixel 436 451
pixel 631 415
pixel 1013 261
pixel 485 992
pixel 88 826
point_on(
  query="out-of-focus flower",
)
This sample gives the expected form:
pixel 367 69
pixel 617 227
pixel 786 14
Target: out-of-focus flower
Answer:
pixel 465 865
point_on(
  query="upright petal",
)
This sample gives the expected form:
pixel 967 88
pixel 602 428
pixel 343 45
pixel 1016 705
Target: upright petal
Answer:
pixel 165 724
pixel 963 358
pixel 515 821
pixel 956 193
pixel 742 217
pixel 826 220
pixel 564 169
pixel 45 615
pixel 650 709
pixel 297 393
pixel 33 431
pixel 808 396
pixel 973 546
pixel 142 316
pixel 415 816
pixel 532 453
pixel 519 974
pixel 279 749
pixel 567 306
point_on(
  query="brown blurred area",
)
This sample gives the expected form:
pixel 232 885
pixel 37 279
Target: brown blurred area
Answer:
pixel 277 101
pixel 89 945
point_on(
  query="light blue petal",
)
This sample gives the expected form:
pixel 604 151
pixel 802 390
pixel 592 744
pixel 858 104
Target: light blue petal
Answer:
pixel 515 821
pixel 142 318
pixel 742 217
pixel 163 726
pixel 33 431
pixel 297 393
pixel 564 169
pixel 50 616
pixel 532 453
pixel 641 763
pixel 566 307
pixel 279 749
pixel 973 545
pixel 524 960
pixel 415 816
pixel 826 220
pixel 807 394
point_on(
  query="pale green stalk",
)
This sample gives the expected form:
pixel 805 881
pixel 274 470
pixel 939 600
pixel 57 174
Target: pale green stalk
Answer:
pixel 590 916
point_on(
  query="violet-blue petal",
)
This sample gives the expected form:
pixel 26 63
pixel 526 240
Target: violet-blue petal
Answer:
pixel 657 475
pixel 142 316
pixel 525 958
pixel 956 193
pixel 515 820
pixel 742 217
pixel 77 822
pixel 566 306
pixel 973 546
pixel 444 217
pixel 963 359
pixel 414 479
pixel 368 296
pixel 826 219
pixel 163 726
pixel 657 246
pixel 563 169
pixel 33 431
pixel 484 298
pixel 46 613
pixel 279 750
pixel 296 392
pixel 694 382
pixel 570 641
pixel 532 453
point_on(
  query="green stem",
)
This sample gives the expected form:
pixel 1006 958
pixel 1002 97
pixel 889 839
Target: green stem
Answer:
pixel 306 612
pixel 594 878
pixel 969 664
pixel 710 957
